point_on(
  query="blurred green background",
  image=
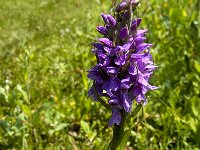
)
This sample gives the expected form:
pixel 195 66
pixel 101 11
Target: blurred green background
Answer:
pixel 45 53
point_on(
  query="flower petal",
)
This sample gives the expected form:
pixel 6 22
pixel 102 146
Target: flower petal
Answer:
pixel 120 61
pixel 139 40
pixel 143 47
pixel 116 117
pixel 98 46
pixel 106 42
pixel 96 75
pixel 125 83
pixel 103 60
pixel 141 32
pixel 135 24
pixel 111 70
pixel 102 30
pixel 123 33
pixel 105 18
pixel 111 20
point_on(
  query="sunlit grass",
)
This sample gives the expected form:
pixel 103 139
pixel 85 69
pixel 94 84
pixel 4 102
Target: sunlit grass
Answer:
pixel 45 53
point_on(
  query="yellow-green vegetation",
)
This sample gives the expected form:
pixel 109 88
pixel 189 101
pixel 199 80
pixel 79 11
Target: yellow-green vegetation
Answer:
pixel 45 53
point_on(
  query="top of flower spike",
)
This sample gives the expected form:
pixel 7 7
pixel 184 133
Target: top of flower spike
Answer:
pixel 126 4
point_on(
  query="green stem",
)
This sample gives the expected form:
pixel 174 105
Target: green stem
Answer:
pixel 118 132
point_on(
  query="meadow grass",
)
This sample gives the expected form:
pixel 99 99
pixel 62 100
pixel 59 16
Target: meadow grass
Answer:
pixel 45 53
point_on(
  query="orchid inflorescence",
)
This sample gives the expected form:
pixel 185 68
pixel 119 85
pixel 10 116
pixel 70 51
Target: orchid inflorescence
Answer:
pixel 124 64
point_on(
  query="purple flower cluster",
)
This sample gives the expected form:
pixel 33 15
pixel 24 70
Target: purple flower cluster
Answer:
pixel 124 63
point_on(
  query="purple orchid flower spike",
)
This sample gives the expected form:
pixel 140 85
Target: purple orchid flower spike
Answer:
pixel 124 67
pixel 126 3
pixel 124 63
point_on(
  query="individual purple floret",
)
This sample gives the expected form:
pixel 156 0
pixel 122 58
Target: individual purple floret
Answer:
pixel 124 64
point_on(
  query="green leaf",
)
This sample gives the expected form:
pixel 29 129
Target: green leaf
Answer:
pixel 150 127
pixel 85 126
pixel 197 65
pixel 24 108
pixel 135 111
pixel 73 142
pixel 4 125
pixel 192 124
pixel 2 93
pixel 124 139
pixel 84 77
pixel 23 92
pixel 61 126
pixel 51 132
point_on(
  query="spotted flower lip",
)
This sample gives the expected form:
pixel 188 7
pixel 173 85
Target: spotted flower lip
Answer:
pixel 112 70
pixel 124 63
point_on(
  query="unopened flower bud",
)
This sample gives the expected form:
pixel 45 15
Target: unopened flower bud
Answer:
pixel 111 20
pixel 102 30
